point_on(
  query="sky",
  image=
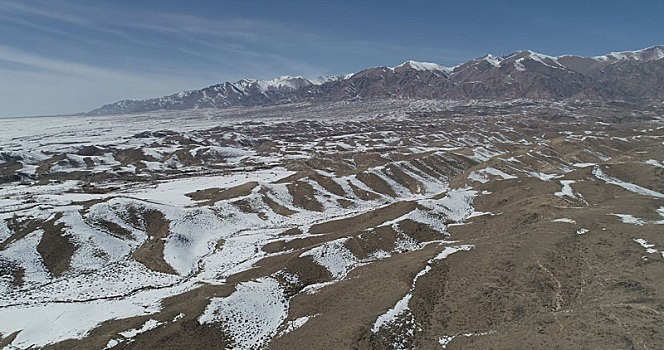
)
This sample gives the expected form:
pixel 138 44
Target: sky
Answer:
pixel 61 57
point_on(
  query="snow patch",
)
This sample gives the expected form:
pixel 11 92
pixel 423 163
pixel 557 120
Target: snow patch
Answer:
pixel 481 175
pixel 647 246
pixel 518 65
pixel 566 220
pixel 655 163
pixel 251 314
pixel 626 185
pixel 492 60
pixel 456 205
pixel 295 324
pixel 334 256
pixel 391 315
pixel 583 165
pixel 567 190
pixel 445 340
pixel 148 325
pixel 630 219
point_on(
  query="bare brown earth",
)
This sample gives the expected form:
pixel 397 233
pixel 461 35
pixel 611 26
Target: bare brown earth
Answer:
pixel 212 195
pixel 151 253
pixel 55 247
pixel 541 282
pixel 303 196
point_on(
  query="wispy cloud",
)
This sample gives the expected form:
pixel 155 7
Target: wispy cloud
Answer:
pixel 50 86
pixel 202 36
pixel 59 11
pixel 55 66
pixel 90 54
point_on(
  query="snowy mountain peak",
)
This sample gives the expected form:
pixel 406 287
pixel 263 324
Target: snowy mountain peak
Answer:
pixel 546 60
pixel 517 58
pixel 322 80
pixel 423 66
pixel 538 55
pixel 283 82
pixel 492 60
pixel 652 53
pixel 287 81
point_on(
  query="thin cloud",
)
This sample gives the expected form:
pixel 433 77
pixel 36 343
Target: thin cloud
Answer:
pixel 55 66
pixel 53 86
pixel 140 54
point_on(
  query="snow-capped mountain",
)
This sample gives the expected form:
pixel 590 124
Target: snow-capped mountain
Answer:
pixel 423 66
pixel 241 92
pixel 523 74
pixel 281 83
pixel 653 53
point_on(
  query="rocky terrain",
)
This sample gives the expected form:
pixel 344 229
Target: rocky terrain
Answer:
pixel 374 224
pixel 632 75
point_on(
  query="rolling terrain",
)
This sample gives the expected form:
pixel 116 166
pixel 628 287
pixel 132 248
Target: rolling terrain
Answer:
pixel 387 223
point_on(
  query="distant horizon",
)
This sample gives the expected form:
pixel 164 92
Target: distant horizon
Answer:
pixel 66 57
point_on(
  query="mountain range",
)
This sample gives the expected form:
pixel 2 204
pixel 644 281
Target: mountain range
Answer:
pixel 630 75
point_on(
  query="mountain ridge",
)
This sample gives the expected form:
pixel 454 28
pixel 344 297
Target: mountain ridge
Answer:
pixel 522 74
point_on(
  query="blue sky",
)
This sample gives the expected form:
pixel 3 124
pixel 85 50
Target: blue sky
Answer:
pixel 70 56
